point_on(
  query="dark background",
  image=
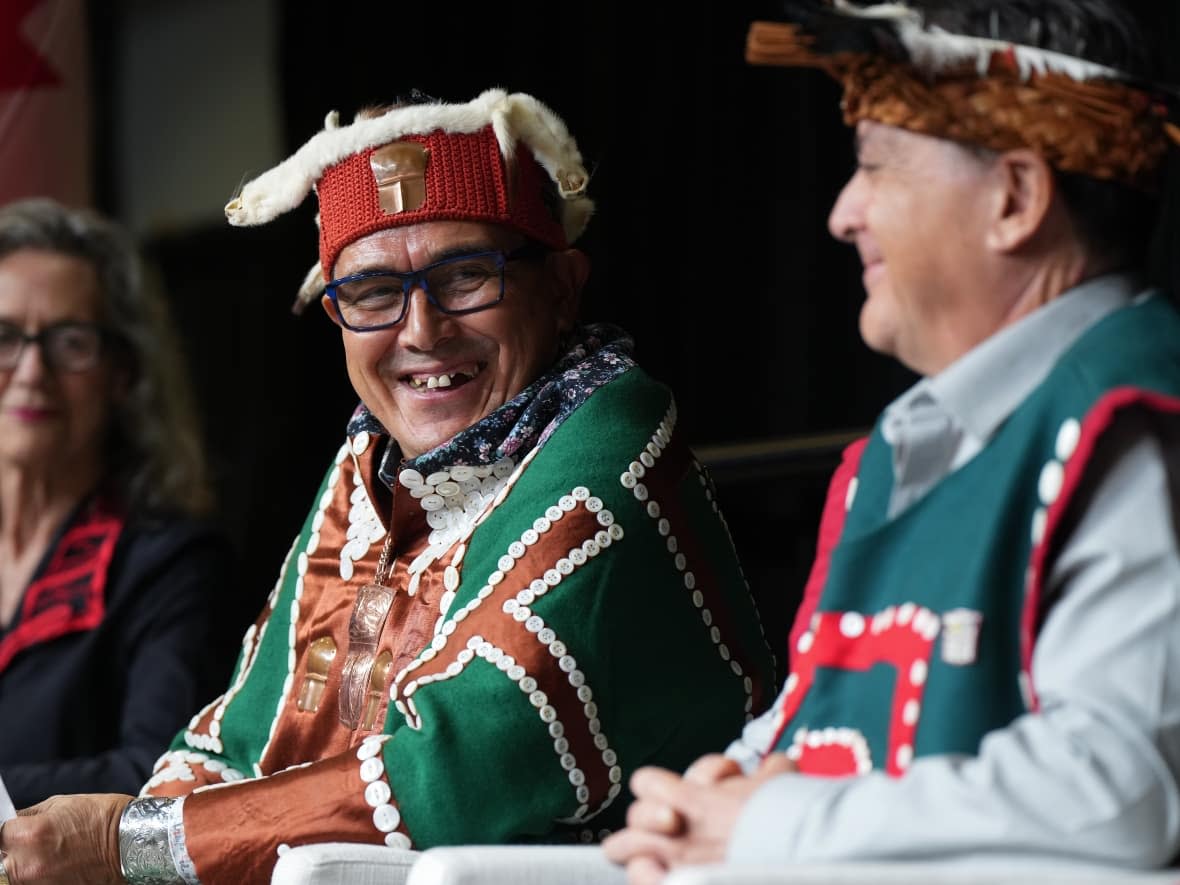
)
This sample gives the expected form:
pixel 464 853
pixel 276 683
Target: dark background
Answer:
pixel 712 178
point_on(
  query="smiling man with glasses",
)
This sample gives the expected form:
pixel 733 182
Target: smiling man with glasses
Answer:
pixel 479 319
pixel 514 586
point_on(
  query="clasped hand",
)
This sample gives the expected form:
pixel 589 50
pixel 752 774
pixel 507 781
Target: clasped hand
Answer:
pixel 681 821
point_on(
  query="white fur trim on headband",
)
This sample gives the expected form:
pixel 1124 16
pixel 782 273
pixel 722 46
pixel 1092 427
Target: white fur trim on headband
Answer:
pixel 512 117
pixel 934 49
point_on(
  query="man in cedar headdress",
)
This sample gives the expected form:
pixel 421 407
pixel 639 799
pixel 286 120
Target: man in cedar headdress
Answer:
pixel 514 585
pixel 985 658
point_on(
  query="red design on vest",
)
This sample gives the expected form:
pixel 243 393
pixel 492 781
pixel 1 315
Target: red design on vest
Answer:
pixel 831 526
pixel 902 636
pixel 1100 417
pixel 69 596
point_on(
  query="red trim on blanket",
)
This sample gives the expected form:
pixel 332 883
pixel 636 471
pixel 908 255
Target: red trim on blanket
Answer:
pixel 1096 421
pixel 70 595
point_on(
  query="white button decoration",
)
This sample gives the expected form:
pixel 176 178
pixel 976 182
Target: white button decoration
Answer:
pixel 852 624
pixel 850 494
pixel 1051 480
pixel 371 769
pixel 386 818
pixel 1068 437
pixel 905 755
pixel 1039 522
pixel 368 750
pixel 377 793
pixel 918 672
pixel 909 714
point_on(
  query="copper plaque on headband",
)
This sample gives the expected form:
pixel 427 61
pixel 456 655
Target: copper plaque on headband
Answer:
pixel 399 169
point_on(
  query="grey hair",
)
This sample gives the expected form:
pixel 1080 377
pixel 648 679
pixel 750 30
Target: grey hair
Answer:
pixel 154 453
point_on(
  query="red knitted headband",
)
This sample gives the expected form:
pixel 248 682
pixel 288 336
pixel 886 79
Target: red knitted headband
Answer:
pixel 466 179
pixel 501 158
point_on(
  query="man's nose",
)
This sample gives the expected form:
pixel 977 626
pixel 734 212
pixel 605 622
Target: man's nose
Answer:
pixel 847 215
pixel 424 324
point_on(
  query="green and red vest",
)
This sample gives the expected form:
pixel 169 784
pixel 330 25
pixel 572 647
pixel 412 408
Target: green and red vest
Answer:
pixel 915 635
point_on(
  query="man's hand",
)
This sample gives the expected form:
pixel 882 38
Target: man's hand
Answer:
pixel 65 840
pixel 677 821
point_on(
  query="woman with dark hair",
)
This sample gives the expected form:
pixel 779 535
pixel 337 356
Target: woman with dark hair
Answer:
pixel 110 627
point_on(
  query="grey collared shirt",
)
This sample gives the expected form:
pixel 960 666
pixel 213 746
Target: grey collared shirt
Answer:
pixel 942 422
pixel 1093 775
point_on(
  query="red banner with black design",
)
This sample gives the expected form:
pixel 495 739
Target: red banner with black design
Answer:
pixel 45 122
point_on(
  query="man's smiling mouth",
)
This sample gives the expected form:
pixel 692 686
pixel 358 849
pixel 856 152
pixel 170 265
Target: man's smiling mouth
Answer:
pixel 454 378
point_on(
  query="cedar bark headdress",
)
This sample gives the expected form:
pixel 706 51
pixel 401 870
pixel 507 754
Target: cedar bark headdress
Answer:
pixel 897 70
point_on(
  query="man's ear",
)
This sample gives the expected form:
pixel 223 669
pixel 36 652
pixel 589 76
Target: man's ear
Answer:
pixel 568 271
pixel 326 303
pixel 1025 191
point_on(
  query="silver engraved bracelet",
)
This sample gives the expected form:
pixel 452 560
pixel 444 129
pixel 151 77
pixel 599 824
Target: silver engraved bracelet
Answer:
pixel 147 831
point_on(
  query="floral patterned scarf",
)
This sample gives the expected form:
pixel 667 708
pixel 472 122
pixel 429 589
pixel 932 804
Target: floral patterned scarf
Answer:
pixel 598 354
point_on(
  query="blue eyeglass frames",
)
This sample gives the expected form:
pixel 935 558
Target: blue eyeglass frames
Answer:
pixel 377 299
